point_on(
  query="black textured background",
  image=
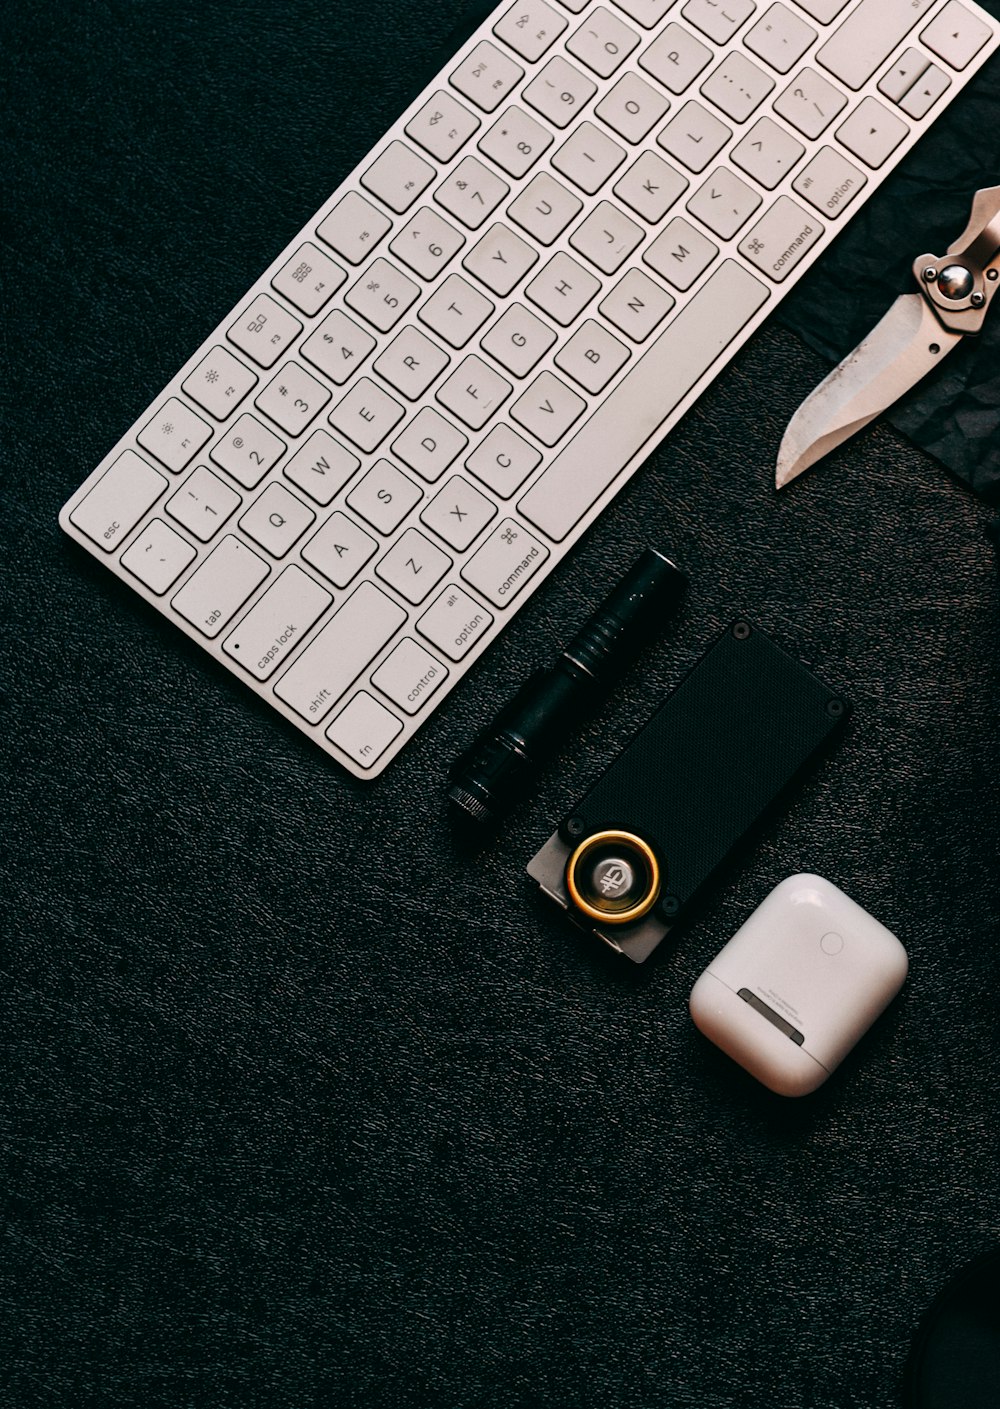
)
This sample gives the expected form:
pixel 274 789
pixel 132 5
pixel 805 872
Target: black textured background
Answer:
pixel 302 1103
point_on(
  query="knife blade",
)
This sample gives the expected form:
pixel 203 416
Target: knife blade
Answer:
pixel 914 335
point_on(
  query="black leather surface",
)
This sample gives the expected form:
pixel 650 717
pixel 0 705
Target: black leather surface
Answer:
pixel 306 1103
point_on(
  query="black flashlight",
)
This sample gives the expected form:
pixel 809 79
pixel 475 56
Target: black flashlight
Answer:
pixel 492 773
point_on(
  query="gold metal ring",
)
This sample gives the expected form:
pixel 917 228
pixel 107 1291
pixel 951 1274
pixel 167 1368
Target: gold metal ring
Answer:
pixel 635 844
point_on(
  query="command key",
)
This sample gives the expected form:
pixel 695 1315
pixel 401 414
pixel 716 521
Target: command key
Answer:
pixel 506 562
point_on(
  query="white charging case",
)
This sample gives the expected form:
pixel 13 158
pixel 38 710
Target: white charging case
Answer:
pixel 798 985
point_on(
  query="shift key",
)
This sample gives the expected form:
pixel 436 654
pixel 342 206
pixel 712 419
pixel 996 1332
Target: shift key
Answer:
pixel 868 36
pixel 331 663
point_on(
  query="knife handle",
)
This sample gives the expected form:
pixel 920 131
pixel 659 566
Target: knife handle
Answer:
pixel 980 239
pixel 960 285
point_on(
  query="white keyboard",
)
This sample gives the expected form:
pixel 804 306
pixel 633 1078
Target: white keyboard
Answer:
pixel 385 448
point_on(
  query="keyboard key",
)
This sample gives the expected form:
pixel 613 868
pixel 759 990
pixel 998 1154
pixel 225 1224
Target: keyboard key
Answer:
pixel 474 392
pixel 203 503
pixel 530 28
pixel 329 665
pixel 309 279
pixel 277 622
pixel 429 444
pixel 628 420
pixel 931 85
pixel 458 513
pixel 825 11
pixel 632 108
pixel 219 383
pixel 411 362
pixel 694 136
pixel 455 311
pixel 384 497
pixel 486 76
pixel 248 450
pixel 293 398
pixel 737 86
pixel 544 208
pixel 675 58
pixel 603 42
pixel 518 340
pixel 364 729
pixel 116 503
pixel 872 132
pixel 321 467
pixel 575 5
pixel 868 36
pixel 903 74
pixel 607 237
pixel 442 126
pixel 503 461
pixel 382 295
pixel 413 566
pixel 500 259
pixel 338 346
pixel 592 357
pixel 398 176
pixel 455 623
pixel 548 408
pixel 724 203
pixel 829 182
pixel 767 153
pixel 471 193
pixel 779 38
pixel 276 520
pixel 409 675
pixel 559 91
pixel 353 228
pixel 216 590
pixel 779 241
pixel 340 549
pixel 264 331
pixel 563 288
pixel 427 243
pixel 366 415
pixel 174 435
pixel 680 253
pixel 650 187
pixel 716 21
pixel 515 142
pixel 506 563
pixel 648 13
pixel 955 35
pixel 810 104
pixel 636 305
pixel 158 556
pixel 588 157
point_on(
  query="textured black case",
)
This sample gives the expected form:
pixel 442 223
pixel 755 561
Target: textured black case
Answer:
pixel 733 736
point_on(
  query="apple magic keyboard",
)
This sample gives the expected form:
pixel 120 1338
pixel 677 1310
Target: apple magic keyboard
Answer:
pixel 383 450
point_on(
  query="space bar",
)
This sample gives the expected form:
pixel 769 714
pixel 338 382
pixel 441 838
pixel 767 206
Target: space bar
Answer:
pixel 643 401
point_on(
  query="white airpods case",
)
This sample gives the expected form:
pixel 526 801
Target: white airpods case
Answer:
pixel 798 984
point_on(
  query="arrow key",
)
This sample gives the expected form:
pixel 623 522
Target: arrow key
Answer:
pixel 925 92
pixel 872 132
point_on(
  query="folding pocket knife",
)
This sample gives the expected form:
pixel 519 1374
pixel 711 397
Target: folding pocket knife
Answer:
pixel 956 290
